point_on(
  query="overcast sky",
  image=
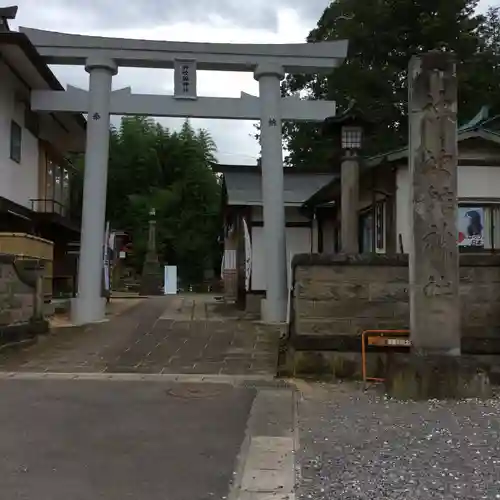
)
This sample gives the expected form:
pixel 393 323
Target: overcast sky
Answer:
pixel 237 21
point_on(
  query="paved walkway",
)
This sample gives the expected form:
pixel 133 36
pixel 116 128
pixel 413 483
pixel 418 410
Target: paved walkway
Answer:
pixel 186 334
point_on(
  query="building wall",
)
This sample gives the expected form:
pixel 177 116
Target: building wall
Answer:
pixel 474 184
pixel 18 181
pixel 298 240
pixel 478 182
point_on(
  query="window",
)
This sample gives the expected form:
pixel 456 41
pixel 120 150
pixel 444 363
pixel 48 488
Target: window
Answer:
pixel 15 142
pixel 366 232
pixel 367 229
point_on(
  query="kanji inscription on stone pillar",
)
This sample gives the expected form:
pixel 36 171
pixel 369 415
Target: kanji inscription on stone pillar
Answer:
pixel 434 264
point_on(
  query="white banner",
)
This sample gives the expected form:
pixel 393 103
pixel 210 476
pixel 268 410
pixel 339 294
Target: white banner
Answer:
pixel 248 255
pixel 107 284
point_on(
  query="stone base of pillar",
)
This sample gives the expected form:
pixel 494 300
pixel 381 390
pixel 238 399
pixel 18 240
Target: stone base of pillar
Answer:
pixel 84 311
pixel 151 279
pixel 421 377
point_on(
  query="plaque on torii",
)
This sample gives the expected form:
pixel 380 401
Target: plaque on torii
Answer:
pixel 185 79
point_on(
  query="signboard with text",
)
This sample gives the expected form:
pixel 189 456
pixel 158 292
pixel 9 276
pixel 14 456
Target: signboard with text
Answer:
pixel 185 79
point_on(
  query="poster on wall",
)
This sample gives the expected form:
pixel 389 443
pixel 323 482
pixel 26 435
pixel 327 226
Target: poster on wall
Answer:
pixel 470 227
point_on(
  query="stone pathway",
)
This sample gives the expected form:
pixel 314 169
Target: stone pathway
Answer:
pixel 188 334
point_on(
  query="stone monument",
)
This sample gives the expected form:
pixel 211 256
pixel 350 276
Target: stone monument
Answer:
pixel 152 275
pixel 435 367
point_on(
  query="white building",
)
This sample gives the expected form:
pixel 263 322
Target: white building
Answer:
pixel 35 174
pixel 306 231
pixel 384 205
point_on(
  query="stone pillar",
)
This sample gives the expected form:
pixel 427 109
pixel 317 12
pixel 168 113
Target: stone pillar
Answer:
pixel 434 273
pixel 152 275
pixel 434 368
pixel 89 305
pixel 274 307
pixel 349 180
pixel 152 253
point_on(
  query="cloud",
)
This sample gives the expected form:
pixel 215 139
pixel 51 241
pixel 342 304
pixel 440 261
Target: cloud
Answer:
pixel 106 14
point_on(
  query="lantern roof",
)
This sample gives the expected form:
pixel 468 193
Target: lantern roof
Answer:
pixel 351 116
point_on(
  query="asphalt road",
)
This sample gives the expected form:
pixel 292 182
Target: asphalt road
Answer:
pixel 116 440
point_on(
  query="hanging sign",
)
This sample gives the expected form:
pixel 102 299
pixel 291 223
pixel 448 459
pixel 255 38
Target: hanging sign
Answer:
pixel 185 79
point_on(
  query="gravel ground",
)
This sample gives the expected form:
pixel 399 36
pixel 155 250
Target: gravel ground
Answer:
pixel 362 445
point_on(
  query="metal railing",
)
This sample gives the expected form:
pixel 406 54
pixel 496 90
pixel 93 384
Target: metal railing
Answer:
pixel 49 206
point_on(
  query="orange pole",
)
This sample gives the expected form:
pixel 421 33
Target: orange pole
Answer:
pixel 363 357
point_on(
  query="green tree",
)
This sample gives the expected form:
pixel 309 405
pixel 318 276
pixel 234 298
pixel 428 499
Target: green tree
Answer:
pixel 151 166
pixel 383 35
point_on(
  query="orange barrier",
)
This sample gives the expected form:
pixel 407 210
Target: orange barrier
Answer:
pixel 381 338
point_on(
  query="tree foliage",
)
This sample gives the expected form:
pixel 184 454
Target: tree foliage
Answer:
pixel 151 166
pixel 383 35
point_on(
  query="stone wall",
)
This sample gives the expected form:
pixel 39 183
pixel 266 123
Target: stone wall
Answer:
pixel 336 297
pixel 344 295
pixel 21 299
pixel 16 297
pixel 340 295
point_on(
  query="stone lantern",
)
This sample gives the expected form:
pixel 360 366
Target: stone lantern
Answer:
pixel 349 129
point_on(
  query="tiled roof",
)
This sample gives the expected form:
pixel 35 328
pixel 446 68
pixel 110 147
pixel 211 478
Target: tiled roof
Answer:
pixel 245 187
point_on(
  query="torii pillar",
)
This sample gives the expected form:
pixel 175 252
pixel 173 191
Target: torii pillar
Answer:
pixel 89 304
pixel 275 304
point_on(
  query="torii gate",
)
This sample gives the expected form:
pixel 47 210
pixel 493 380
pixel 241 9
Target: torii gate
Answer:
pixel 103 56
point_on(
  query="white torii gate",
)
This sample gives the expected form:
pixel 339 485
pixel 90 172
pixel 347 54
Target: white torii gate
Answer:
pixel 103 56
